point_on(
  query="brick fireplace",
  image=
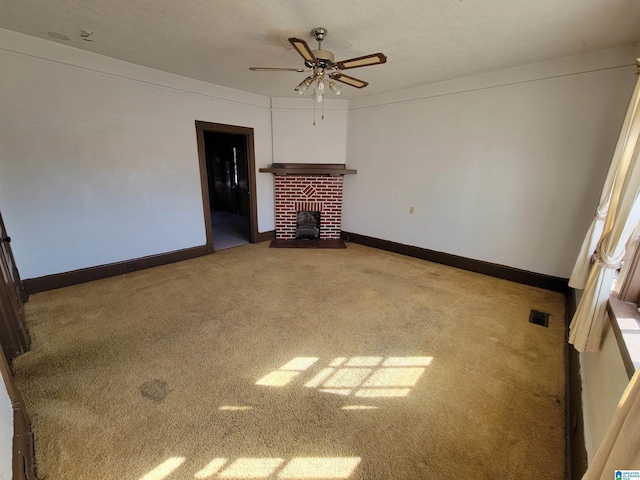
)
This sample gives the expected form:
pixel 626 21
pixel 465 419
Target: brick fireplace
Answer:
pixel 308 188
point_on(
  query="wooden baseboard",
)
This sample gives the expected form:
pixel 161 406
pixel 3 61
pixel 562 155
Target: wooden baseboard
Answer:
pixel 24 465
pixel 548 282
pixel 58 280
pixel 50 282
pixel 264 236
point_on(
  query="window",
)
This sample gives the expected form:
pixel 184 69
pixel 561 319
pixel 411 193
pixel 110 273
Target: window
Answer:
pixel 624 311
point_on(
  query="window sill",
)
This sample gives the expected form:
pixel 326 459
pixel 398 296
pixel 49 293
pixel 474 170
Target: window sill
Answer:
pixel 625 321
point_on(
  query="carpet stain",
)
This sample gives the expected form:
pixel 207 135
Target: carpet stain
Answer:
pixel 155 390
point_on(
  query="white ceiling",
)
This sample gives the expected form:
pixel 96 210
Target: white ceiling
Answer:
pixel 425 41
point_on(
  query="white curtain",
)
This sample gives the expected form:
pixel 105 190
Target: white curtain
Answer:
pixel 583 263
pixel 620 448
pixel 622 218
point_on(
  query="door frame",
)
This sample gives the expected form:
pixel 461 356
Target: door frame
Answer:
pixel 15 340
pixel 15 337
pixel 23 456
pixel 247 132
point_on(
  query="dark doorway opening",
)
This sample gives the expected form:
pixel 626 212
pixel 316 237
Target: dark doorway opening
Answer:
pixel 227 166
pixel 227 174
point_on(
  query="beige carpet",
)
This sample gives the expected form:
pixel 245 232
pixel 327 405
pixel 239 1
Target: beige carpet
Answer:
pixel 291 364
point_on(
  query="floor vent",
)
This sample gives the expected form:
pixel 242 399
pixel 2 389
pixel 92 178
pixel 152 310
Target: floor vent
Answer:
pixel 539 318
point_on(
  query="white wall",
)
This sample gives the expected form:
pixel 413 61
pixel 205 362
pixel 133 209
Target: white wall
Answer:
pixel 6 433
pixel 98 157
pixel 604 379
pixel 297 140
pixel 504 167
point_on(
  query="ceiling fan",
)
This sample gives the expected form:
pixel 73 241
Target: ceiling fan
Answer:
pixel 324 70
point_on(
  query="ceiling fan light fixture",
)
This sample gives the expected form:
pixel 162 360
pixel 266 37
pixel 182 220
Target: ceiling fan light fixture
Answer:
pixel 334 88
pixel 304 85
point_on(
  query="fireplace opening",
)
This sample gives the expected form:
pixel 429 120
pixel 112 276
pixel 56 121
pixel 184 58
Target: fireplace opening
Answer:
pixel 308 226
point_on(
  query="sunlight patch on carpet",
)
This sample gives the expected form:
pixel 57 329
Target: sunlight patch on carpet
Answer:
pixel 213 467
pixel 362 376
pixel 320 377
pixel 165 469
pixel 251 468
pixel 286 373
pixel 348 377
pixel 278 378
pixel 363 361
pixel 327 468
pixel 407 362
pixel 338 361
pixel 360 407
pixel 299 363
pixel 394 377
pixel 317 467
pixel 382 392
pixel 337 391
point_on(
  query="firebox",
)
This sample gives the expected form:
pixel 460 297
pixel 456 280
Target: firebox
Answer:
pixel 308 226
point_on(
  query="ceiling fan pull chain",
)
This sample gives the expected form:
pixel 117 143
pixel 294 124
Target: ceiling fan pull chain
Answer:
pixel 322 110
pixel 314 112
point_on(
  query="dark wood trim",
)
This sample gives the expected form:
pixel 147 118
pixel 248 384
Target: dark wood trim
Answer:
pixel 204 185
pixel 24 462
pixel 265 236
pixel 17 283
pixel 11 335
pixel 58 280
pixel 202 127
pixel 330 169
pixel 23 458
pixel 576 451
pixel 548 282
pixel 14 336
pixel 253 201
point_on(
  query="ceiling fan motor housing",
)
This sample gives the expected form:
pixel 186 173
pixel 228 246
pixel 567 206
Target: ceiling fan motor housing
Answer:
pixel 324 59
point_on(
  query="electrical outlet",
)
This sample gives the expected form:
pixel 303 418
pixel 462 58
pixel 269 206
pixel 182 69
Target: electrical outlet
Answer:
pixel 411 210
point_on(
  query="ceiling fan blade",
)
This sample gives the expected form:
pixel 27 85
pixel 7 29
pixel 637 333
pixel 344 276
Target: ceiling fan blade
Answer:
pixel 275 69
pixel 373 59
pixel 303 49
pixel 354 82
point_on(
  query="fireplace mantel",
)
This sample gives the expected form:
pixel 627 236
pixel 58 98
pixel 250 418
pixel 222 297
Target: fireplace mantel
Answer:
pixel 322 169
